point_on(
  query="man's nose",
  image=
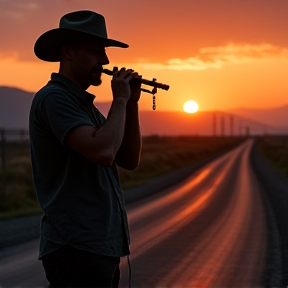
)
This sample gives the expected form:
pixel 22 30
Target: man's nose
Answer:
pixel 104 59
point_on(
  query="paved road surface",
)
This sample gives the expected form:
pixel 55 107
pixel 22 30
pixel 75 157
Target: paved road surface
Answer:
pixel 208 231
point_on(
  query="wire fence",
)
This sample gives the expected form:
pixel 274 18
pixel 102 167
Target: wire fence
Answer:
pixel 9 138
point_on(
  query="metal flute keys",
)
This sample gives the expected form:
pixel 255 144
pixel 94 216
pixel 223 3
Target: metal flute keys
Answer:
pixel 143 81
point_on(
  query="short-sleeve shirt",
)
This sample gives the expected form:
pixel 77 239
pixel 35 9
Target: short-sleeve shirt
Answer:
pixel 82 202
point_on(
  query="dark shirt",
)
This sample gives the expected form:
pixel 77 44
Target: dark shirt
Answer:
pixel 82 202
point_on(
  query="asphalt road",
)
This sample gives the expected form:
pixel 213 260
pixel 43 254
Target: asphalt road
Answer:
pixel 207 231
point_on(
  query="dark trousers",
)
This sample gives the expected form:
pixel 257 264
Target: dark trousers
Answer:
pixel 70 267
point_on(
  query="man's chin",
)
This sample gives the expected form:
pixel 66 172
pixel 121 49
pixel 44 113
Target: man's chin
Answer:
pixel 96 83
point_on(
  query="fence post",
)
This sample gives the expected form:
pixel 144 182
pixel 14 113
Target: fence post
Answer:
pixel 3 150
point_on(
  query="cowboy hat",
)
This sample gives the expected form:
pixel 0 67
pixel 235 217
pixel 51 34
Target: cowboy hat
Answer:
pixel 81 25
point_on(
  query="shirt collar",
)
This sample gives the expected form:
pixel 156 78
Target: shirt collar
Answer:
pixel 72 87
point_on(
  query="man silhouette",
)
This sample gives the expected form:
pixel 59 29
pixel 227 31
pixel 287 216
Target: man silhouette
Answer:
pixel 74 152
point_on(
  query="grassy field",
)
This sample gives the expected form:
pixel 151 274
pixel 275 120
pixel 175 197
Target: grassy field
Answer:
pixel 275 150
pixel 16 189
pixel 159 155
pixel 164 154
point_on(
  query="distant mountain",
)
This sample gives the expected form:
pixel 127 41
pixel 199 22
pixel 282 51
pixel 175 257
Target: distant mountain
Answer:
pixel 203 123
pixel 176 123
pixel 274 116
pixel 169 122
pixel 15 105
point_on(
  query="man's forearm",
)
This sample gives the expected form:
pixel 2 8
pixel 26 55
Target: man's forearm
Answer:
pixel 129 152
pixel 101 145
pixel 115 124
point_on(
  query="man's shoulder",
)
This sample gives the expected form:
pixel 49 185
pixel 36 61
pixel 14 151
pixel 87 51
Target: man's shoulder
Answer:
pixel 51 92
pixel 51 88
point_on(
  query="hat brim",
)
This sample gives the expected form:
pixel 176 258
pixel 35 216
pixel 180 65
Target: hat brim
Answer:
pixel 48 46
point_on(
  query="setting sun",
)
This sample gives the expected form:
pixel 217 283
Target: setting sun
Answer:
pixel 190 107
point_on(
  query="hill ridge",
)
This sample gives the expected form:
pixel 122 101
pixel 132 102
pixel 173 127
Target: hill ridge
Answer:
pixel 15 105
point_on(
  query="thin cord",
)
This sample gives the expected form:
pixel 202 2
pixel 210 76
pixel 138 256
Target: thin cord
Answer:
pixel 130 272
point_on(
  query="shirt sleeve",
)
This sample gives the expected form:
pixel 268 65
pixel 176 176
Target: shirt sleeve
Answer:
pixel 61 113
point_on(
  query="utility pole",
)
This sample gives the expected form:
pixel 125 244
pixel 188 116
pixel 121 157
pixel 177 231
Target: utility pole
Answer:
pixel 231 125
pixel 214 124
pixel 240 127
pixel 222 126
pixel 247 131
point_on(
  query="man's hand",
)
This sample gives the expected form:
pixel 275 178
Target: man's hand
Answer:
pixel 135 87
pixel 123 87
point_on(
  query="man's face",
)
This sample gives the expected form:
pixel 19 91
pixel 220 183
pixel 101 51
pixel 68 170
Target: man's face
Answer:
pixel 87 62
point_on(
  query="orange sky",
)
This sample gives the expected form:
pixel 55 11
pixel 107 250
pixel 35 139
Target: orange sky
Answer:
pixel 221 53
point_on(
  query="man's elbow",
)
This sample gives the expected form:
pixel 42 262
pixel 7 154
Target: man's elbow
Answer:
pixel 106 158
pixel 128 165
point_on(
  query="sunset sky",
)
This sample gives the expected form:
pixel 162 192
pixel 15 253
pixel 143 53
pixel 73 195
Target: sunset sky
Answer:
pixel 221 53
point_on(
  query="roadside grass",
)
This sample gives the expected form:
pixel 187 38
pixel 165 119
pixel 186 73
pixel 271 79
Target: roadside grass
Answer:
pixel 275 150
pixel 159 156
pixel 163 154
pixel 17 196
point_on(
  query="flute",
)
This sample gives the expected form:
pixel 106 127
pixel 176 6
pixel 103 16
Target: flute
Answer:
pixel 152 83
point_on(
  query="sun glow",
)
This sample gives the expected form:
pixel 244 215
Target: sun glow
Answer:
pixel 190 107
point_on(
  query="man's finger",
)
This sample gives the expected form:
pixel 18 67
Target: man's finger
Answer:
pixel 115 71
pixel 129 72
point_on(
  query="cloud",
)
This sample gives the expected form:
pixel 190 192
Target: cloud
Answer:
pixel 246 52
pixel 11 55
pixel 17 9
pixel 217 57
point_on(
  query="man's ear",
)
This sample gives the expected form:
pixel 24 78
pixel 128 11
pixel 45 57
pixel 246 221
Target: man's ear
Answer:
pixel 66 52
